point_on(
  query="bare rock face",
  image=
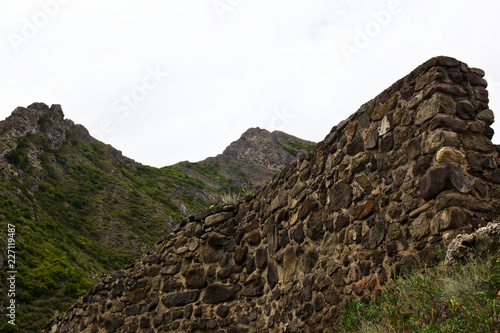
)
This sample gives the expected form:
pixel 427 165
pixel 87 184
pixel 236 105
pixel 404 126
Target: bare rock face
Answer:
pixel 400 178
pixel 255 157
pixel 38 118
pixel 259 147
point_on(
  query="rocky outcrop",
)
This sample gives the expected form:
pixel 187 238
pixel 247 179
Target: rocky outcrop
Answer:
pixel 467 247
pixel 386 189
pixel 258 146
pixel 37 118
pixel 46 122
pixel 254 158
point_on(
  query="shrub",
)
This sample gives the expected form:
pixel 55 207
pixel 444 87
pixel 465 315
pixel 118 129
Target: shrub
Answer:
pixel 17 158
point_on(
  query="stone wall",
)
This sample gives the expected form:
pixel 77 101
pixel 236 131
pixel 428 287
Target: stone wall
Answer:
pixel 385 190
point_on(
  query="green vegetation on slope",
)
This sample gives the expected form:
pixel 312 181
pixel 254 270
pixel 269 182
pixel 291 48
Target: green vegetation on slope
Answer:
pixel 293 147
pixel 464 299
pixel 212 178
pixel 47 278
pixel 81 213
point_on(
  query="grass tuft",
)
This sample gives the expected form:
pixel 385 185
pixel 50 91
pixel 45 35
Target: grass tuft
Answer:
pixel 466 299
pixel 231 197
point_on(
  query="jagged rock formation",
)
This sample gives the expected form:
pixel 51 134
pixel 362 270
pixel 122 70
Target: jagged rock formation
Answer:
pixel 38 118
pixel 389 186
pixel 253 159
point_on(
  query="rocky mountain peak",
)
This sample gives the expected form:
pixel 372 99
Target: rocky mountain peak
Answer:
pixel 260 147
pixel 255 132
pixel 254 158
pixel 36 118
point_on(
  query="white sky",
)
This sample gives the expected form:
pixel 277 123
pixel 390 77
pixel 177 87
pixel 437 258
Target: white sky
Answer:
pixel 231 64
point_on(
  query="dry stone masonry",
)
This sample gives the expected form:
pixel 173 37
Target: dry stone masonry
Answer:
pixel 386 189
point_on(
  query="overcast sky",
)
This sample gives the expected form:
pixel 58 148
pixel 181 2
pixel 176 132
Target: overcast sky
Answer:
pixel 171 80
